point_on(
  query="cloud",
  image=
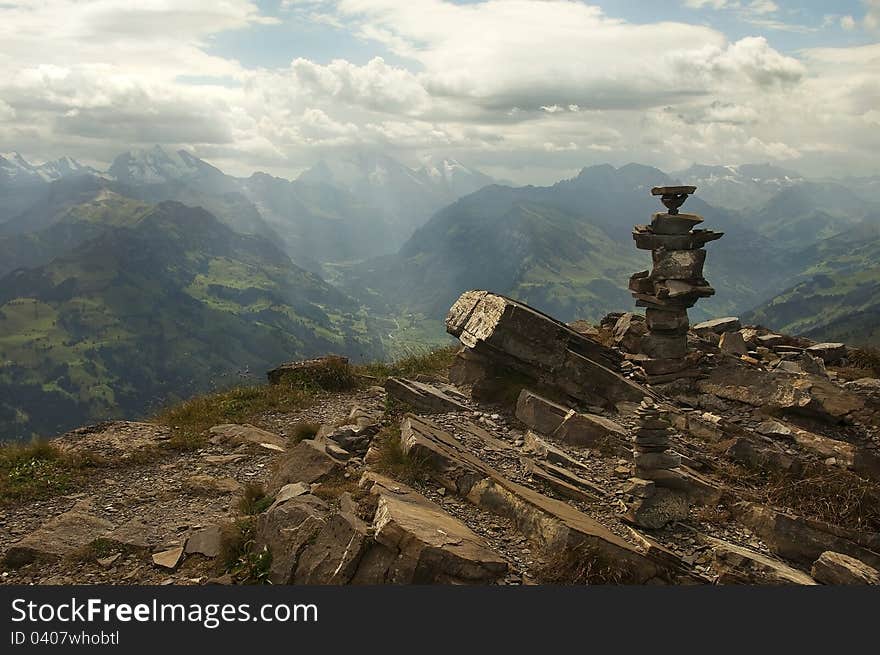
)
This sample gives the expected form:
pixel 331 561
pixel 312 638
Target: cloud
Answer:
pixel 871 21
pixel 7 113
pixel 516 84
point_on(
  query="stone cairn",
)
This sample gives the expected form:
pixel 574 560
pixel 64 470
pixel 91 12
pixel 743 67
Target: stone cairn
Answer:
pixel 656 502
pixel 674 284
pixel 651 451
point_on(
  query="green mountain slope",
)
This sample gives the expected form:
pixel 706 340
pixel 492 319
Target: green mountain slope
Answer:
pixel 149 313
pixel 75 225
pixel 837 295
pixel 566 249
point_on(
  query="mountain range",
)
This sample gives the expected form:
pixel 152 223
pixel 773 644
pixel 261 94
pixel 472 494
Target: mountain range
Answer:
pixel 162 276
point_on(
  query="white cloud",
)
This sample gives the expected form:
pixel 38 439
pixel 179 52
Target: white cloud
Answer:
pixel 871 21
pixel 504 83
pixel 848 23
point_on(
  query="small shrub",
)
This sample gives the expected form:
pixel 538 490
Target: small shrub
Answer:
pixel 333 487
pixel 828 494
pixel 395 407
pixel 254 499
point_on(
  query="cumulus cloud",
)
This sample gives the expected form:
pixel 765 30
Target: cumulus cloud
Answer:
pixel 522 84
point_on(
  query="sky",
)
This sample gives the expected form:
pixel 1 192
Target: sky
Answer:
pixel 525 90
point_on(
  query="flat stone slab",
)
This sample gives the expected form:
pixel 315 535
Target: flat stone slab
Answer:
pixel 830 353
pixel 673 190
pixel 205 541
pixel 58 537
pixel 840 569
pixel 321 369
pixel 169 559
pixel 546 521
pixel 424 397
pixel 738 565
pixel 718 325
pixel 431 545
pixel 309 461
pixel 509 335
pixel 233 433
pixel 560 423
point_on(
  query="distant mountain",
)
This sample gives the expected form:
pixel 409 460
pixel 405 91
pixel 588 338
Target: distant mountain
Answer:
pixel 566 249
pixel 746 186
pixel 14 169
pixel 166 305
pixel 318 223
pixel 155 175
pixel 452 177
pixel 22 184
pixel 836 294
pixel 97 209
pixel 404 198
pixel 808 213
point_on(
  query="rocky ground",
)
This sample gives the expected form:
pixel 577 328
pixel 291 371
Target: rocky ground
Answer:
pixel 514 467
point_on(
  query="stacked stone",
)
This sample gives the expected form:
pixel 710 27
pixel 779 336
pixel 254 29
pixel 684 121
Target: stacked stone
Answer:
pixel 651 450
pixel 674 284
pixel 656 498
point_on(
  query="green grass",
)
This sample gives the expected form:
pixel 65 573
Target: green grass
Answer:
pixel 38 470
pixel 191 419
pixel 433 363
pixel 329 374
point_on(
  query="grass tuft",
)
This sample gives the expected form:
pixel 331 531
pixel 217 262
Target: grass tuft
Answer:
pixel 254 499
pixel 303 430
pixel 190 420
pixel 431 363
pixel 825 493
pixel 39 470
pixel 394 462
pixel 581 565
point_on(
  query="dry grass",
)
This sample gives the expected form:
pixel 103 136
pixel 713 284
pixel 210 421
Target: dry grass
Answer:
pixel 865 358
pixel 394 462
pixel 431 363
pixel 828 494
pixel 303 430
pixel 581 565
pixel 334 486
pixel 331 374
pixel 821 492
pixel 191 419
